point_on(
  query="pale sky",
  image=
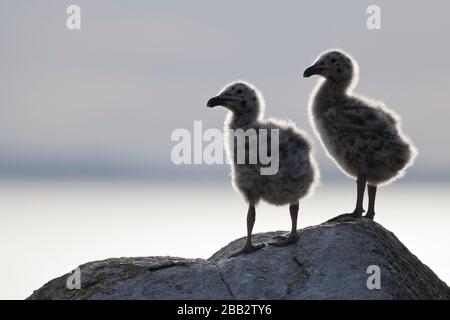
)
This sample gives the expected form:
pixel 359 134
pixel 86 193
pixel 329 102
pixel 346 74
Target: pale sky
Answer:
pixel 105 99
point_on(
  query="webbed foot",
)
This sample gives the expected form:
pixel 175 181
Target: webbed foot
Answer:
pixel 248 248
pixel 293 237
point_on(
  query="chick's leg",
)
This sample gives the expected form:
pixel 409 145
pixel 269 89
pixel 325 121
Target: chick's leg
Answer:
pixel 249 247
pixel 293 236
pixel 372 191
pixel 361 186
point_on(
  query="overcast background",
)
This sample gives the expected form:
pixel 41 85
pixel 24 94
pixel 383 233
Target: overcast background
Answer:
pixel 104 100
pixel 98 105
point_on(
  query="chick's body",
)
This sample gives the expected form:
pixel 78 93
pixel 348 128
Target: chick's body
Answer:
pixel 361 135
pixel 296 169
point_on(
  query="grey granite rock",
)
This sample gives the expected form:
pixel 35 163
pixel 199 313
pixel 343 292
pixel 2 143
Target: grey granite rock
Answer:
pixel 329 261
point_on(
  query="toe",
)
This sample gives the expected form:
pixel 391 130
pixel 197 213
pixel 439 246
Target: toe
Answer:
pixel 247 249
pixel 358 213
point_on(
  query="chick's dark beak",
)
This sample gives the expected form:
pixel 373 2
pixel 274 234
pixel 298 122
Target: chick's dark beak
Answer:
pixel 311 71
pixel 216 101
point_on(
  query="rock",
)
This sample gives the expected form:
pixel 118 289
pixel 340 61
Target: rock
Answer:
pixel 329 261
pixel 141 278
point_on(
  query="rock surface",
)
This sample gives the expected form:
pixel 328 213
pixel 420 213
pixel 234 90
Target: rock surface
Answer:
pixel 329 261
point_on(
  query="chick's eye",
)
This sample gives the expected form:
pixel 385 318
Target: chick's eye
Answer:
pixel 239 91
pixel 333 60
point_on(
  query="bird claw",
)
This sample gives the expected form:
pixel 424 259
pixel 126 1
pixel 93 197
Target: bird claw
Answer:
pixel 248 248
pixel 358 213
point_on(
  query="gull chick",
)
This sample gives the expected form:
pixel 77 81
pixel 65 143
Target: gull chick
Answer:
pixel 296 172
pixel 362 136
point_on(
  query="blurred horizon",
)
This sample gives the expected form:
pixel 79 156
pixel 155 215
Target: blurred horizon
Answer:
pixel 48 229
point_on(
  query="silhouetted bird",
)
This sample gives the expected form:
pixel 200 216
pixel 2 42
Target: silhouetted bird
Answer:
pixel 297 170
pixel 361 135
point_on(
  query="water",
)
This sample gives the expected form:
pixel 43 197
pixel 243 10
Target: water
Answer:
pixel 47 229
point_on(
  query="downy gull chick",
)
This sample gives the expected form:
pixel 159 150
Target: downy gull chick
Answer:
pixel 297 171
pixel 362 136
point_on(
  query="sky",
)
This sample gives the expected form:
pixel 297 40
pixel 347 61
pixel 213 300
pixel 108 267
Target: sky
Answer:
pixel 103 101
